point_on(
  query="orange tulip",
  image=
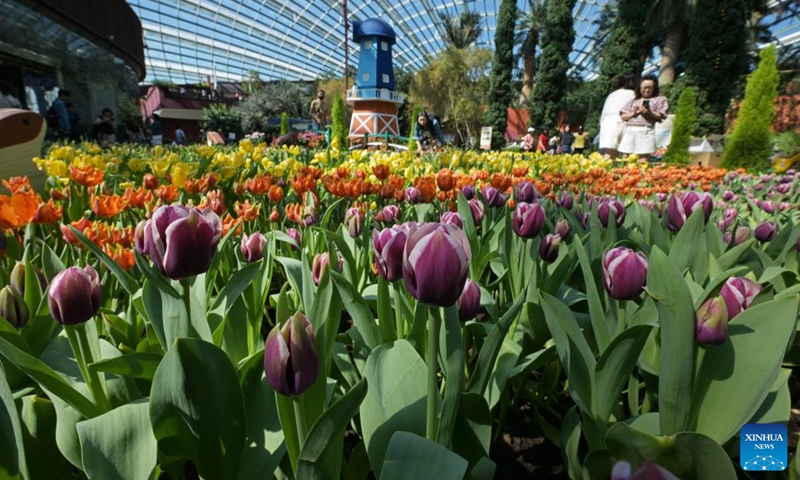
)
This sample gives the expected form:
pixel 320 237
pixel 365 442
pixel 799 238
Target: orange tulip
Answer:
pixel 167 194
pixel 18 209
pixel 121 256
pixel 275 194
pixel 18 185
pixel 87 176
pixel 381 171
pixel 48 212
pixel 106 206
pixel 138 198
pixel 444 179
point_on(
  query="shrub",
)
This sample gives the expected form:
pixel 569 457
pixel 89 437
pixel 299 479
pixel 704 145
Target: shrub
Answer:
pixel 682 131
pixel 412 144
pixel 284 123
pixel 339 130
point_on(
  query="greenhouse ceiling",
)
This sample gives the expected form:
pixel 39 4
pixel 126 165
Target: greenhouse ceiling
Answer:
pixel 188 41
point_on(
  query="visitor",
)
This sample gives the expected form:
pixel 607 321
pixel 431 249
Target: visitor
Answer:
pixel 7 97
pixel 427 133
pixel 58 116
pixel 611 125
pixel 74 123
pixel 156 131
pixel 104 128
pixel 555 138
pixel 541 143
pixel 319 117
pixel 566 140
pixel 640 116
pixel 579 145
pixel 123 134
pixel 180 136
pixel 529 140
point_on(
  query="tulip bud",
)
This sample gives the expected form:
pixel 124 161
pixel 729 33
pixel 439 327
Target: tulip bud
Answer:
pixel 274 216
pixel 647 471
pixel 727 196
pixel 469 303
pixel 291 364
pixel 768 206
pixel 294 234
pixel 526 192
pixel 711 322
pixel 435 263
pixel 562 228
pixel 477 209
pixel 607 207
pixel 354 220
pixel 413 195
pixel 452 218
pixel 741 235
pixel 140 237
pixel 150 181
pixel 388 245
pixel 320 263
pixel 624 273
pixel 766 231
pixel 253 247
pixel 13 307
pixel 181 240
pixel 75 295
pixel 681 206
pixel 566 200
pixel 17 278
pixel 528 219
pixel 391 214
pixel 548 249
pixel 739 294
pixel 493 196
pixel 468 191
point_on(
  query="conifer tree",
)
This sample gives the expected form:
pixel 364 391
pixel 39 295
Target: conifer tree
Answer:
pixel 685 119
pixel 339 131
pixel 626 47
pixel 750 144
pixel 549 93
pixel 284 123
pixel 501 91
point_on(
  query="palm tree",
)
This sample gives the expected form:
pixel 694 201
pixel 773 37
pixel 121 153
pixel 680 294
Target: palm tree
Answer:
pixel 462 30
pixel 529 30
pixel 672 18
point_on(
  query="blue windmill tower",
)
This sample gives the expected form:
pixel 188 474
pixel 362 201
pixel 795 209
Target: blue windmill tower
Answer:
pixel 373 97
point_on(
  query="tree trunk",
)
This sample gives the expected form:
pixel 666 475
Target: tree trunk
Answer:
pixel 529 68
pixel 670 54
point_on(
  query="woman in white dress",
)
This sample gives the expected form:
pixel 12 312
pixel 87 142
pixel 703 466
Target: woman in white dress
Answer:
pixel 611 124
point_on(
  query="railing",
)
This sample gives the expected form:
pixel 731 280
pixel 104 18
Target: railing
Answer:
pixel 374 94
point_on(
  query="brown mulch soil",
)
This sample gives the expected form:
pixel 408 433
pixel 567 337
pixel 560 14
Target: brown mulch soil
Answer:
pixel 522 451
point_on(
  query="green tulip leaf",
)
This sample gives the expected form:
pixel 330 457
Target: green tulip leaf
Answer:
pixel 689 241
pixel 410 456
pixel 12 454
pixel 125 279
pixel 358 310
pixel 154 276
pixel 614 368
pixel 742 368
pixel 778 404
pixel 676 321
pixel 598 315
pixel 136 365
pixel 296 273
pixel 690 456
pixel 731 258
pixel 119 444
pixel 197 410
pixel 570 438
pixel 38 417
pixel 321 441
pixel 395 401
pixel 452 351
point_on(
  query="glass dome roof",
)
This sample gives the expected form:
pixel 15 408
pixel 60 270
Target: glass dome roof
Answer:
pixel 188 41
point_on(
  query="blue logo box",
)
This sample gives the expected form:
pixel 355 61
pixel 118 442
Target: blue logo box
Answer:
pixel 763 447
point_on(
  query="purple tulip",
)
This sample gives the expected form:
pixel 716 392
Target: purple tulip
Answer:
pixel 469 302
pixel 526 192
pixel 766 231
pixel 17 278
pixel 388 245
pixel 435 263
pixel 140 237
pixel 413 195
pixel 784 188
pixel 739 294
pixel 562 229
pixel 253 247
pixel 75 295
pixel 548 249
pixel 661 196
pixel 294 234
pixel 727 196
pixel 391 214
pixel 494 198
pixel 528 219
pixel 453 218
pixel 740 236
pixel 727 218
pixel 320 263
pixel 354 220
pixel 681 206
pixel 768 206
pixel 583 217
pixel 784 206
pixel 468 191
pixel 291 364
pixel 711 322
pixel 477 209
pixel 181 240
pixel 624 273
pixel 647 471
pixel 606 207
pixel 13 307
pixel 566 200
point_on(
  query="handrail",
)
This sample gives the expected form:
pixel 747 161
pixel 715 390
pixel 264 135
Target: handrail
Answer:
pixel 374 93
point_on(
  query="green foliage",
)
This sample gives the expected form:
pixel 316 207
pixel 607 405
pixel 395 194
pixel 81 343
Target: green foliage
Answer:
pixel 339 129
pixel 500 93
pixel 583 98
pixel 550 90
pixel 716 57
pixel 682 131
pixel 219 118
pixel 626 47
pixel 787 142
pixel 412 144
pixel 284 123
pixel 462 30
pixel 750 143
pixel 454 87
pixel 270 102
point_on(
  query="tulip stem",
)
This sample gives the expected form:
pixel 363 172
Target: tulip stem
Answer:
pixel 433 369
pixel 399 319
pixel 621 320
pixel 79 341
pixel 300 418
